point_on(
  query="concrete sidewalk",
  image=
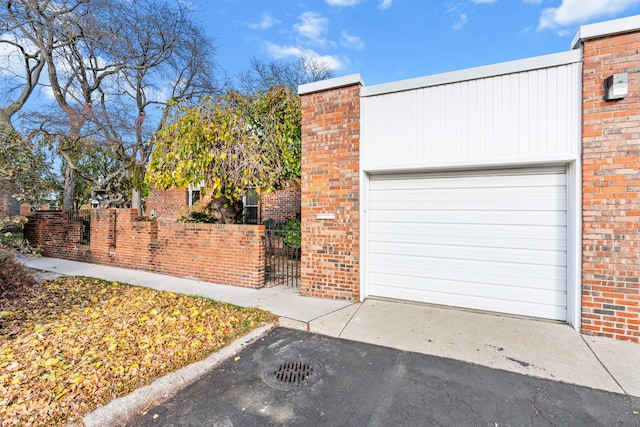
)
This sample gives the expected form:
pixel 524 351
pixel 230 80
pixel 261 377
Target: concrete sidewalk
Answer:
pixel 538 348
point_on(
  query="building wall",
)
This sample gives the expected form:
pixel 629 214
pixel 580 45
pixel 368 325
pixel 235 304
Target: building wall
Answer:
pixel 525 110
pixel 216 253
pixel 611 190
pixel 330 265
pixel 281 205
pixel 167 204
pixel 170 204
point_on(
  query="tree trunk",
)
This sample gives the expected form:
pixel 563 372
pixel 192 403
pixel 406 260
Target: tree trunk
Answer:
pixel 225 211
pixel 136 200
pixel 11 205
pixel 69 193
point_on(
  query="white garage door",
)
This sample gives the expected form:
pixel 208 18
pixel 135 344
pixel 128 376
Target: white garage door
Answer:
pixel 492 240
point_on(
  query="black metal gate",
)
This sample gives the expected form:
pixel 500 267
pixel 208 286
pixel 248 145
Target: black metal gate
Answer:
pixel 83 216
pixel 282 257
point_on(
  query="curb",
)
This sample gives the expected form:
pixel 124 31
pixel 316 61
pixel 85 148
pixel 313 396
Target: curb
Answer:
pixel 122 409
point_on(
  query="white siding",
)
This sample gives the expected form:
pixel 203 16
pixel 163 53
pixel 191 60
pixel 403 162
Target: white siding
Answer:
pixel 523 116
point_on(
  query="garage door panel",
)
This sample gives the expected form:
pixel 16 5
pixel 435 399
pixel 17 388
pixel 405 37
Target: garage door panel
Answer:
pixel 476 217
pixel 487 253
pixel 455 194
pixel 488 240
pixel 507 274
pixel 524 308
pixel 473 232
pixel 473 181
pixel 460 288
pixel 476 241
pixel 492 204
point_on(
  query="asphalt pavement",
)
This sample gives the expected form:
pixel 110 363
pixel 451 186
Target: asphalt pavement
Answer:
pixel 295 378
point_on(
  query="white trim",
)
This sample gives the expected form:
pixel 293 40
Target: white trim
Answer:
pixel 574 244
pixel 335 83
pixel 364 234
pixel 521 65
pixel 606 28
pixel 473 165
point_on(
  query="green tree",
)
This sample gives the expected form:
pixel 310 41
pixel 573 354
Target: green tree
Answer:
pixel 232 143
pixel 25 172
pixel 111 66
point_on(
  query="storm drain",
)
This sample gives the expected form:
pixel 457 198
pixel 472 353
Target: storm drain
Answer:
pixel 293 374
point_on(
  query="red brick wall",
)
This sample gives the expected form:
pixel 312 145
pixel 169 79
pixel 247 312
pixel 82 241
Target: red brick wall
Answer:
pixel 611 189
pixel 222 254
pixel 281 205
pixel 167 203
pixel 330 185
pixel 59 237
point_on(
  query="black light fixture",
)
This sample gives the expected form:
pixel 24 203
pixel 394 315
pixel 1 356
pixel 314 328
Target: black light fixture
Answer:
pixel 616 86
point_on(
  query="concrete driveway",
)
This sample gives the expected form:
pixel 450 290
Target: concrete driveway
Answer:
pixel 346 383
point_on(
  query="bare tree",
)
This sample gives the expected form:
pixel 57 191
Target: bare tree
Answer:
pixel 109 63
pixel 262 75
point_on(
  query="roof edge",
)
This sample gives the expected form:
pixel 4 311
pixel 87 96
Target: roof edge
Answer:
pixel 510 67
pixel 606 28
pixel 335 83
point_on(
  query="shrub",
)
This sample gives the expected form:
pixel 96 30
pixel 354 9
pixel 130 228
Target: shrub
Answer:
pixel 199 217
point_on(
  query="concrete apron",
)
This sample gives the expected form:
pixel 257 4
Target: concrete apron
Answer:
pixel 539 348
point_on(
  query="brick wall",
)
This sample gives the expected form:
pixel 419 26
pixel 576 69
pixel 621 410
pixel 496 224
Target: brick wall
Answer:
pixel 611 189
pixel 330 266
pixel 281 205
pixel 59 237
pixel 168 204
pixel 222 254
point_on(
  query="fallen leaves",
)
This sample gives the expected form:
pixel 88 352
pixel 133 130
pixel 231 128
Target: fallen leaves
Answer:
pixel 84 342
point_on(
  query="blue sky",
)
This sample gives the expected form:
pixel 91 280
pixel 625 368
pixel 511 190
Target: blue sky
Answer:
pixel 388 40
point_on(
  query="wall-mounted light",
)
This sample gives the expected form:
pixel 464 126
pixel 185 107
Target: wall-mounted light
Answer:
pixel 616 86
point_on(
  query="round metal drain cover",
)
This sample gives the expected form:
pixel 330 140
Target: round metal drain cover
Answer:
pixel 293 374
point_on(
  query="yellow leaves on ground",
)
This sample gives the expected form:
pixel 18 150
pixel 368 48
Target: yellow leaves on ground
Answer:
pixel 90 341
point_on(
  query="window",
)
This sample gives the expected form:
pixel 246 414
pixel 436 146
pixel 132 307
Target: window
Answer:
pixel 251 204
pixel 194 194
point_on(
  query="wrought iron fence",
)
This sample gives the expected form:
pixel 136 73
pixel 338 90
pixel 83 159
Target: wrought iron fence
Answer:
pixel 282 257
pixel 83 216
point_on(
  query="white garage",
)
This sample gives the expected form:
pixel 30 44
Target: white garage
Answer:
pixel 470 188
pixel 492 240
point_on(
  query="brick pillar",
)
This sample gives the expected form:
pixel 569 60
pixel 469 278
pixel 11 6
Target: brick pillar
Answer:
pixel 330 185
pixel 611 186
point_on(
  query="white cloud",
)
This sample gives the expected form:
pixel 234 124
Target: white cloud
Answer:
pixel 267 21
pixel 574 12
pixel 385 4
pixel 351 41
pixel 460 22
pixel 287 51
pixel 313 26
pixel 342 3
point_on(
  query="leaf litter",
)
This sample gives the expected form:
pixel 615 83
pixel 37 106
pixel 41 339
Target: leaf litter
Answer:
pixel 82 342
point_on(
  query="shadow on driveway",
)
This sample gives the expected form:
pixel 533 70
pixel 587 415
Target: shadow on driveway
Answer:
pixel 294 378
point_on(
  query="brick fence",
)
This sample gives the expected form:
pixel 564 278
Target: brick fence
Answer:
pixel 223 254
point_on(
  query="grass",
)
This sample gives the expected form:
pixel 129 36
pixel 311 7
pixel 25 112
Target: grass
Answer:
pixel 78 343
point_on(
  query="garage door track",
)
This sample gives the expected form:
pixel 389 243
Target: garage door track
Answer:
pixel 295 378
